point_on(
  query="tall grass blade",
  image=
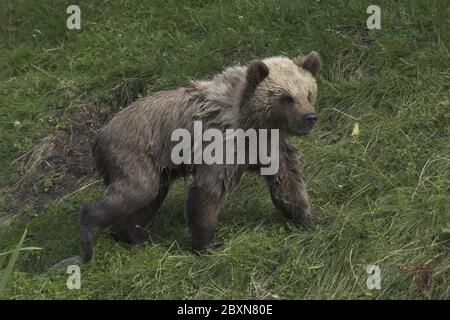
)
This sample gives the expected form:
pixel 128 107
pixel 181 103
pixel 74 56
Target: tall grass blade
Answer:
pixel 12 261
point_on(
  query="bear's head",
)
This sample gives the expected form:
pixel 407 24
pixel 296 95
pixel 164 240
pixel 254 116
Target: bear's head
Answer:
pixel 280 94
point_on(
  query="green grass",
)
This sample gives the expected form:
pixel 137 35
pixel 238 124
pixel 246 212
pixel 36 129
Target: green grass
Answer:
pixel 382 197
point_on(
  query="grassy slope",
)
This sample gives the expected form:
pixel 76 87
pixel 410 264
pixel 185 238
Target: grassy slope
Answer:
pixel 382 198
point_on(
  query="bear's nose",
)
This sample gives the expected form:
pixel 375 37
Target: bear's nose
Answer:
pixel 310 118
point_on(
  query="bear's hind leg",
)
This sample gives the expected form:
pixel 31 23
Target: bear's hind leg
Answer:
pixel 124 197
pixel 132 230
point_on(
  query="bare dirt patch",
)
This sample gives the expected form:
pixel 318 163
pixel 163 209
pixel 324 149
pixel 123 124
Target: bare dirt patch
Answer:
pixel 61 163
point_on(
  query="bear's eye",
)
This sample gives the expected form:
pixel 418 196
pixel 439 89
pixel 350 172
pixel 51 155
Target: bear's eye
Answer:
pixel 309 96
pixel 286 99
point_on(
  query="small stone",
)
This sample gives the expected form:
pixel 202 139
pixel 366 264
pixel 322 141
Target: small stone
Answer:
pixel 63 264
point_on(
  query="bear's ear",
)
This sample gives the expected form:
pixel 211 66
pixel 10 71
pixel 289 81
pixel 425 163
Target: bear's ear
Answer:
pixel 257 71
pixel 311 63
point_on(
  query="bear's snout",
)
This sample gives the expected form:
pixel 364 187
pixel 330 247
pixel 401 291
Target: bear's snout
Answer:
pixel 310 119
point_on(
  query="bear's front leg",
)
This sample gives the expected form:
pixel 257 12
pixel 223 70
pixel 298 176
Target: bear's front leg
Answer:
pixel 202 211
pixel 287 189
pixel 208 191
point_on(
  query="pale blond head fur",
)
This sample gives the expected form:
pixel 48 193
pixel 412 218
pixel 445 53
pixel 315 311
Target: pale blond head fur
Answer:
pixel 224 94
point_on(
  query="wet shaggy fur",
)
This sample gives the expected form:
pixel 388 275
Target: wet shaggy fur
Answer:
pixel 132 152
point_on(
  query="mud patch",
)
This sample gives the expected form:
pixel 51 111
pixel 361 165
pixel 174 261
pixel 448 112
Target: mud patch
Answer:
pixel 429 274
pixel 61 163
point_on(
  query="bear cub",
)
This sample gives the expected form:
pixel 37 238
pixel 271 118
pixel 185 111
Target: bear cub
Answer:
pixel 132 152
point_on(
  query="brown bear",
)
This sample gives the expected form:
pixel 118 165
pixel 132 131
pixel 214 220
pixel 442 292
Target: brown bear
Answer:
pixel 133 151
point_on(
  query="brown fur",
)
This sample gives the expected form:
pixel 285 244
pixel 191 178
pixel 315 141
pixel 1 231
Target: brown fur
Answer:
pixel 132 151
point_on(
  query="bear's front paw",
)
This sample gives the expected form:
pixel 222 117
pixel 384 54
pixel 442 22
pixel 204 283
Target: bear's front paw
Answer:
pixel 306 219
pixel 204 249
